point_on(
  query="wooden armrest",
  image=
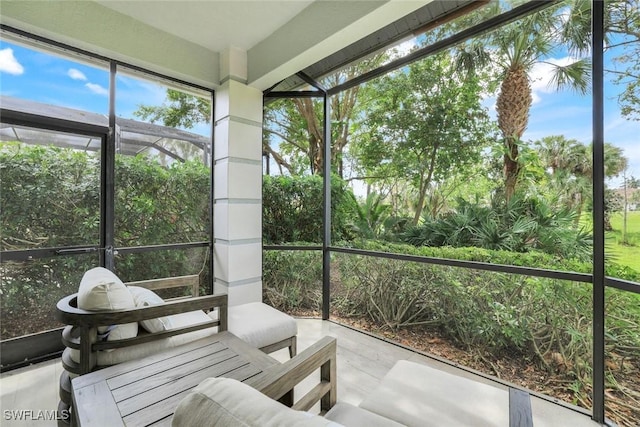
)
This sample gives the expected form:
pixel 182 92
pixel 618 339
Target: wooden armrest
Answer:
pixel 279 380
pixel 82 324
pixel 68 313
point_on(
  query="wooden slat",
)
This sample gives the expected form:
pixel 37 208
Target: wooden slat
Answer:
pixel 519 408
pixel 307 401
pixel 287 342
pixel 280 379
pixel 328 373
pixel 145 338
pixel 163 410
pixel 68 313
pixel 192 281
pixel 133 365
pixel 256 358
pixel 212 350
pixel 170 374
pixel 170 388
pixel 156 412
pixel 93 405
pixel 165 422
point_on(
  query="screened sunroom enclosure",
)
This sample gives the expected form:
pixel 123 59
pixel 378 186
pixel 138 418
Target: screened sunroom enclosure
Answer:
pixel 62 163
pixel 190 251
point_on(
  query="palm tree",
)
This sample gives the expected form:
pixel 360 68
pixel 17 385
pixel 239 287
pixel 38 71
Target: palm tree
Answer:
pixel 513 51
pixel 372 215
pixel 571 165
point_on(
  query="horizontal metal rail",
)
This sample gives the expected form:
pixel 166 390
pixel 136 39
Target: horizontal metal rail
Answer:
pixel 291 248
pixel 475 265
pixel 151 248
pixel 623 285
pixel 18 33
pixel 488 25
pixel 32 254
pixel 21 118
pixel 294 94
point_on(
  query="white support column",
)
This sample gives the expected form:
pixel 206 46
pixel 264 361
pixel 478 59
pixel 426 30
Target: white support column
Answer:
pixel 238 183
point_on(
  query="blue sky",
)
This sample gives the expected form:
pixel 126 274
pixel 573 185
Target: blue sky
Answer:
pixel 42 77
pixel 35 75
pixel 569 113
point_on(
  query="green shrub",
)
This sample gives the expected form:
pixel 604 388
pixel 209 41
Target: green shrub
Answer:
pixel 479 309
pixel 523 224
pixel 547 319
pixel 292 280
pixel 292 209
pixel 50 198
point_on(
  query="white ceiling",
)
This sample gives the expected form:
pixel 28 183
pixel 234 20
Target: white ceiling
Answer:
pixel 189 40
pixel 213 24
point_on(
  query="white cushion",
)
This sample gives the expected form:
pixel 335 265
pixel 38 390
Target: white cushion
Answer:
pixel 418 395
pixel 224 402
pixel 143 297
pixel 101 290
pixel 354 416
pixel 260 325
pixel 124 354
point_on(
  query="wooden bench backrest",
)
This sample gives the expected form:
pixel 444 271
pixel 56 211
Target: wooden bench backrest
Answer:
pixel 191 281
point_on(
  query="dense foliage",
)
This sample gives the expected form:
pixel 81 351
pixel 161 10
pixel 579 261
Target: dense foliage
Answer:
pixel 524 223
pixel 546 322
pixel 438 125
pixel 292 209
pixel 50 198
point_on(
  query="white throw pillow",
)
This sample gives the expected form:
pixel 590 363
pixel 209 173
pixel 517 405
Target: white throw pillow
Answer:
pixel 143 297
pixel 101 290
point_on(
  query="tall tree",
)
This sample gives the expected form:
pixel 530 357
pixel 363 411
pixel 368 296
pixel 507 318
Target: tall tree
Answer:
pixel 295 125
pixel 513 51
pixel 293 128
pixel 425 122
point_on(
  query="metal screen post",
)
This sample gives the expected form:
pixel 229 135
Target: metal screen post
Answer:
pixel 597 49
pixel 326 241
pixel 107 186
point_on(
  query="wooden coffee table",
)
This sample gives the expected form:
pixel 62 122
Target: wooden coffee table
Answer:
pixel 147 391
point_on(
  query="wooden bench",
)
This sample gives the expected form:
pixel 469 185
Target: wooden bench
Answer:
pixel 79 335
pixel 256 323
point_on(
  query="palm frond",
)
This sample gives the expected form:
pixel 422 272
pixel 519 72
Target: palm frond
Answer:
pixel 575 76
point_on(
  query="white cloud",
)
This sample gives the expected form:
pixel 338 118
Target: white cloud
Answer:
pixel 9 63
pixel 542 73
pixel 535 98
pixel 76 74
pixel 96 88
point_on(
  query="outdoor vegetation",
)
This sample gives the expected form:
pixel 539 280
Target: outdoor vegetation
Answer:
pixel 50 198
pixel 423 163
pixel 441 177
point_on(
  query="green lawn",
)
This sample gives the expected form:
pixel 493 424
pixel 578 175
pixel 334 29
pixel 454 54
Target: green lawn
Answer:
pixel 626 254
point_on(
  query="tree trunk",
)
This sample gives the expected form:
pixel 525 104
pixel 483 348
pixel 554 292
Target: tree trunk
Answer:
pixel 513 105
pixel 424 183
pixel 511 167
